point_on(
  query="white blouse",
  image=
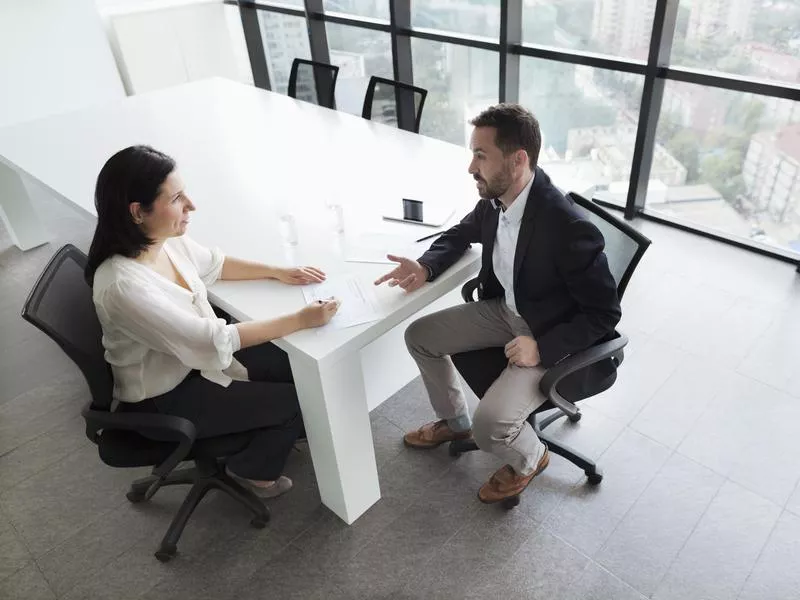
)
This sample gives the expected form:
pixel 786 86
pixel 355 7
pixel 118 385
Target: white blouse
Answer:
pixel 156 331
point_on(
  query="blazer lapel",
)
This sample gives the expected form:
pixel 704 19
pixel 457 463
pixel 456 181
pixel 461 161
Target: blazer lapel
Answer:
pixel 528 224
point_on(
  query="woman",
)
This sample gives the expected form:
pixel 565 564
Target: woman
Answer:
pixel 168 351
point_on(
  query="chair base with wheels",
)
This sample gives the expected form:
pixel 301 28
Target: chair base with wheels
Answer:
pixel 594 474
pixel 206 475
pixel 125 449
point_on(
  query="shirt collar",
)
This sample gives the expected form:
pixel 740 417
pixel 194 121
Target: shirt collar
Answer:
pixel 515 212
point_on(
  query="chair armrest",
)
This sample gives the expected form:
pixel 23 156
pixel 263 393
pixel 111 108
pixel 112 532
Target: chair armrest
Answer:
pixel 468 290
pixel 163 428
pixel 574 363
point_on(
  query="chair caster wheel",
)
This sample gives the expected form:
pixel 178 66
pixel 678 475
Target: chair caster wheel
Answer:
pixel 511 502
pixel 453 450
pixel 135 497
pixel 575 418
pixel 166 553
pixel 594 477
pixel 258 522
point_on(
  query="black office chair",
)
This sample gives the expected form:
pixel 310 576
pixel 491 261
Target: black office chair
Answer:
pixel 313 82
pixel 394 103
pixel 60 304
pixel 578 376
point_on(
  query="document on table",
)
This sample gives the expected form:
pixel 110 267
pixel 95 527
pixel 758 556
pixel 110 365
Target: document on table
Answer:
pixel 372 247
pixel 358 301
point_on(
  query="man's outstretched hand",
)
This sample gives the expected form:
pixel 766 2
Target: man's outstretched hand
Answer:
pixel 408 274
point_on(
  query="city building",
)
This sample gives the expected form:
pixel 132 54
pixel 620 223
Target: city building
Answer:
pixel 285 38
pixel 772 173
pixel 623 26
pixel 611 148
pixel 714 19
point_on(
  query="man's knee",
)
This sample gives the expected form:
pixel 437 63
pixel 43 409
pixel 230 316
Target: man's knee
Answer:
pixel 489 431
pixel 415 335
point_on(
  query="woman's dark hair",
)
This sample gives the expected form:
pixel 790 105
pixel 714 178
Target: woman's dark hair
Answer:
pixel 134 174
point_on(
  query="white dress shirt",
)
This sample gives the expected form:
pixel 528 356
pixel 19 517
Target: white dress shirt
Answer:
pixel 156 331
pixel 505 243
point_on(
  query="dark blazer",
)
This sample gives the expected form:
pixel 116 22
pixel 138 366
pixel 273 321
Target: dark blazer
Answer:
pixel 562 285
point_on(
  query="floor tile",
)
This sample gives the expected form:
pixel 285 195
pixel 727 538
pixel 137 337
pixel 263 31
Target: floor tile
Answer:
pixel 722 550
pixel 775 575
pixel 648 539
pixel 589 514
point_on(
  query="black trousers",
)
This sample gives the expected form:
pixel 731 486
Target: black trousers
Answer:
pixel 266 406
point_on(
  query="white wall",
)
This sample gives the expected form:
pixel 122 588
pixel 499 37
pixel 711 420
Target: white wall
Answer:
pixel 54 57
pixel 161 43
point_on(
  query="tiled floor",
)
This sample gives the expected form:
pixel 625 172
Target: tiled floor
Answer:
pixel 698 441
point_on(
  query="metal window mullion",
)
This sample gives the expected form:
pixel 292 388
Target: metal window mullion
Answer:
pixel 510 35
pixel 664 20
pixel 400 19
pixel 255 46
pixel 317 35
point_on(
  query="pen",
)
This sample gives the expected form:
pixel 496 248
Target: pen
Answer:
pixel 427 237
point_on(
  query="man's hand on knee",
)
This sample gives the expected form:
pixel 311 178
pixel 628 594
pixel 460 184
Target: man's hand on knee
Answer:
pixel 523 351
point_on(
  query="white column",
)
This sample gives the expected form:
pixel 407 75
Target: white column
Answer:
pixel 17 212
pixel 334 404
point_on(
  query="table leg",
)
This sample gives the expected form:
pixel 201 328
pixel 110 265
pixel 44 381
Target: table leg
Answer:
pixel 334 404
pixel 17 212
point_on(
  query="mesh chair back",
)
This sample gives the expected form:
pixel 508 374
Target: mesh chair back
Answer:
pixel 394 103
pixel 313 82
pixel 624 244
pixel 60 305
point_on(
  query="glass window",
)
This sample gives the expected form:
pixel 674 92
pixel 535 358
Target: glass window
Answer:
pixel 620 27
pixel 292 3
pixel 741 153
pixel 588 118
pixel 460 81
pixel 359 54
pixel 742 37
pixel 377 9
pixel 285 38
pixel 473 17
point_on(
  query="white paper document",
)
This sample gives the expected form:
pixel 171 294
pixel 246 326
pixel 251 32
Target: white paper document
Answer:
pixel 358 301
pixel 372 247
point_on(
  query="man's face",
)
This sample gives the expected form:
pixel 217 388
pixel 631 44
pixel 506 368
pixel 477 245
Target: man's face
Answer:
pixel 492 171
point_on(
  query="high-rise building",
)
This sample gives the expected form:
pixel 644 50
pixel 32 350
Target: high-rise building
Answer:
pixel 623 26
pixel 772 173
pixel 285 38
pixel 715 19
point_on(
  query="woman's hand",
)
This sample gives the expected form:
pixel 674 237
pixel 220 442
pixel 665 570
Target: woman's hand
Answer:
pixel 318 313
pixel 298 275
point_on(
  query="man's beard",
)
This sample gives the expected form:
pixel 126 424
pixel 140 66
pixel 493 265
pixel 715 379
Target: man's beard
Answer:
pixel 495 187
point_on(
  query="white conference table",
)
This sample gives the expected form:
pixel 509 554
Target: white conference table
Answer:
pixel 248 157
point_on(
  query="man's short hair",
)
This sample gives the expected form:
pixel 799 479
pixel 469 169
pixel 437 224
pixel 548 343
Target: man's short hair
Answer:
pixel 517 129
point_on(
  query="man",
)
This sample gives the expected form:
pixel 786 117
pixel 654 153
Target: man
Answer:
pixel 545 292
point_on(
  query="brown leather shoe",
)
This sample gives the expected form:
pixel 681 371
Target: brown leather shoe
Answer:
pixel 506 483
pixel 434 434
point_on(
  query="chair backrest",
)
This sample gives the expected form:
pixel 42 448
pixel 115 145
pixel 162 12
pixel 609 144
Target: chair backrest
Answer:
pixel 60 304
pixel 394 103
pixel 625 246
pixel 313 82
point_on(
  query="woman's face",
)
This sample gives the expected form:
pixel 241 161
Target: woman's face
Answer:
pixel 169 215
